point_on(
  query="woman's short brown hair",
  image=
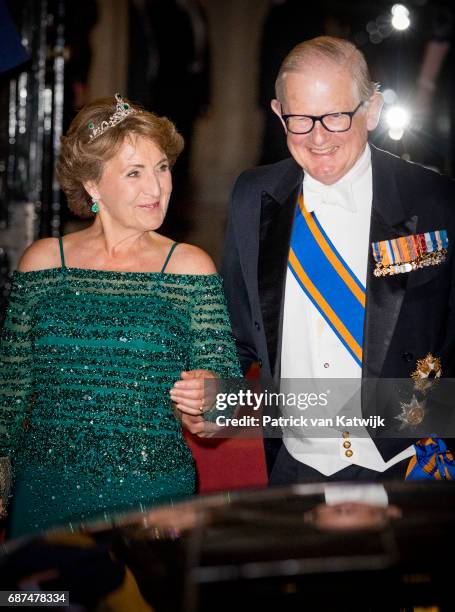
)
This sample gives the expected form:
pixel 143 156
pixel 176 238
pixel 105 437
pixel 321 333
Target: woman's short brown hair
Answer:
pixel 82 159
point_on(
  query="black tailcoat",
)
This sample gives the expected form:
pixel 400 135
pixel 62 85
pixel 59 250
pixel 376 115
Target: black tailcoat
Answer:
pixel 407 315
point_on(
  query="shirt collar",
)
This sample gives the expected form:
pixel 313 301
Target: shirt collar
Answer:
pixel 340 193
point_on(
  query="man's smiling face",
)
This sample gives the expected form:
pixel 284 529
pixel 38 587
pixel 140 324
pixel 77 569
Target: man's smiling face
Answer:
pixel 324 87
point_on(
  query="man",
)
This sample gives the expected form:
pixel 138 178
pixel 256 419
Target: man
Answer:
pixel 352 278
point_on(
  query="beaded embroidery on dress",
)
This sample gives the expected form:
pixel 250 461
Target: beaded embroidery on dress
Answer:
pixel 88 358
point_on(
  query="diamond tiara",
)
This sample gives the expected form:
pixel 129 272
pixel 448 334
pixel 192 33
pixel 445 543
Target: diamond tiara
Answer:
pixel 122 110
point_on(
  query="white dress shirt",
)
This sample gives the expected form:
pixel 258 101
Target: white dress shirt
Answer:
pixel 310 348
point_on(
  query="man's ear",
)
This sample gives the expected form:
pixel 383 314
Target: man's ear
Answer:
pixel 374 110
pixel 276 107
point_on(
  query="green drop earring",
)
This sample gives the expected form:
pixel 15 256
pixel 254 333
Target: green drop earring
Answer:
pixel 95 207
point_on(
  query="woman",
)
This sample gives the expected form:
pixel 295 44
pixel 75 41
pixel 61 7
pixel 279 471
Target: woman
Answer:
pixel 100 325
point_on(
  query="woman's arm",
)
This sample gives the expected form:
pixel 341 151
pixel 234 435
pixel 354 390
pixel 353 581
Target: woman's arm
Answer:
pixel 16 363
pixel 41 255
pixel 212 352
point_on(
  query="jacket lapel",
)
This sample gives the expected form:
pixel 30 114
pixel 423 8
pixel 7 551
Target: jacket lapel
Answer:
pixel 277 214
pixel 384 295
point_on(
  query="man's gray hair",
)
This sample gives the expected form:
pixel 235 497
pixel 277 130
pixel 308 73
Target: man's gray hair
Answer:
pixel 328 48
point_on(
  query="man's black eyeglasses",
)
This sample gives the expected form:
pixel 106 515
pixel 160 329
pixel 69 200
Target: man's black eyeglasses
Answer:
pixel 333 122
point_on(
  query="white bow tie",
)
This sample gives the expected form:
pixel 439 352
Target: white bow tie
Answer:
pixel 319 195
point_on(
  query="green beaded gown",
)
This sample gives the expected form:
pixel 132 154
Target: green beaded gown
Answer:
pixel 88 358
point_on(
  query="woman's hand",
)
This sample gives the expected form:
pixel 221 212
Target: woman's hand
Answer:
pixel 191 396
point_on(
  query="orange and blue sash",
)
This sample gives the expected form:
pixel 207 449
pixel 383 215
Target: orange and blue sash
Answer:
pixel 339 297
pixel 327 280
pixel 432 461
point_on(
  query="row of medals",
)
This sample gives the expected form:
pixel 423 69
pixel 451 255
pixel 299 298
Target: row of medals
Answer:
pixel 429 259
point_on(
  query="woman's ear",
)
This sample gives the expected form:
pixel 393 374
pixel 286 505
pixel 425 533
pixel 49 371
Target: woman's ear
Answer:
pixel 92 189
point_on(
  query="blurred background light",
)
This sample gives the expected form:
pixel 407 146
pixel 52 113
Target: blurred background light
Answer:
pixel 397 117
pixel 399 9
pixel 389 96
pixel 400 17
pixel 396 133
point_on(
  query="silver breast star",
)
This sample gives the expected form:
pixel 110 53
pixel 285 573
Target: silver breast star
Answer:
pixel 411 414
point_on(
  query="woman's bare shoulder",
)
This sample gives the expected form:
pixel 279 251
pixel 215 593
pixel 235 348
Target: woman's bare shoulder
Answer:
pixel 190 259
pixel 41 255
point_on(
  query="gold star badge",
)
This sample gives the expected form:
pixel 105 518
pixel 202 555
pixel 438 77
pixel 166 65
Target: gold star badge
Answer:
pixel 427 371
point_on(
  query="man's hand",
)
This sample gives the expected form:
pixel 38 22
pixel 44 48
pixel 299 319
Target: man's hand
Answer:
pixel 197 426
